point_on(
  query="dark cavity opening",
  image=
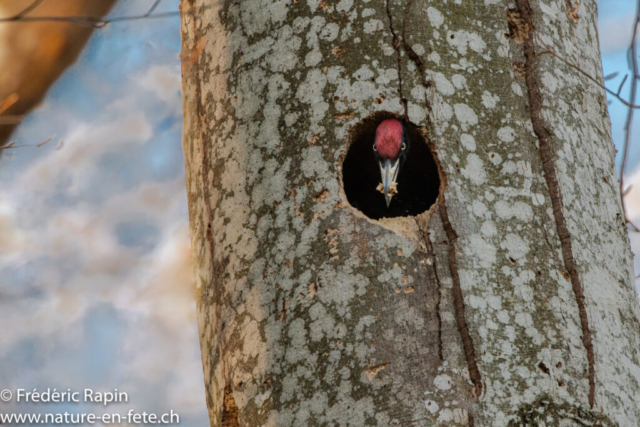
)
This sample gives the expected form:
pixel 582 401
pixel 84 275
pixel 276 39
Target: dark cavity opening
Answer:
pixel 418 181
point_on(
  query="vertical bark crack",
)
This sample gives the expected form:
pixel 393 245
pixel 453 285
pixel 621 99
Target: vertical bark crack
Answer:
pixel 415 57
pixel 430 260
pixel 452 236
pixel 396 46
pixel 458 302
pixel 548 166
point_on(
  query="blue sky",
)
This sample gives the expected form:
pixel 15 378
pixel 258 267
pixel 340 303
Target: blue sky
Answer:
pixel 95 259
pixel 96 288
pixel 615 28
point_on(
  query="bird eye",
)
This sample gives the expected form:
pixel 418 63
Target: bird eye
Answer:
pixel 403 146
pixel 374 147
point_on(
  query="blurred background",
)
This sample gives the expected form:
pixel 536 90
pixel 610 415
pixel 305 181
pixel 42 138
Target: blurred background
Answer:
pixel 95 275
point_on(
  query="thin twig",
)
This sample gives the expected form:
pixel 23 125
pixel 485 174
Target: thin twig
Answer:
pixel 89 21
pixel 611 76
pixel 86 21
pixel 12 144
pixel 152 8
pixel 622 84
pixel 8 146
pixel 26 10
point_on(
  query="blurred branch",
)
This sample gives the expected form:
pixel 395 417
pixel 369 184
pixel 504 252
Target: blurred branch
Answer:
pixel 90 21
pixel 11 120
pixel 28 9
pixel 46 141
pixel 153 7
pixel 31 63
pixel 87 21
pixel 8 102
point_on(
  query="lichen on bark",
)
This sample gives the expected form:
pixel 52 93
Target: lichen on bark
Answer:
pixel 306 307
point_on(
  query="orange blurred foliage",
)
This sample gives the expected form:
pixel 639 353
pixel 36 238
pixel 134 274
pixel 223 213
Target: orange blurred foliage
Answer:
pixel 34 54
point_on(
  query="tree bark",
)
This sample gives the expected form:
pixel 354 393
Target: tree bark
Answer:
pixel 510 302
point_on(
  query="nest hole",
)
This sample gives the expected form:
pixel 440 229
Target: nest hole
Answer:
pixel 418 181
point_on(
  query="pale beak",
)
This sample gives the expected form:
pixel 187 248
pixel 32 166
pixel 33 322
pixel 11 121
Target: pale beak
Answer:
pixel 389 170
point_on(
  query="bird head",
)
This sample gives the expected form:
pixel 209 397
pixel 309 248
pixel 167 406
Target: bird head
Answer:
pixel 390 147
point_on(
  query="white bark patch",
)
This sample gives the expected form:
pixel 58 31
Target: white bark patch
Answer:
pixel 550 81
pixel 431 406
pixel 481 250
pixel 516 247
pixel 313 163
pixel 506 134
pixel 517 89
pixel 344 5
pixel 468 142
pixel 477 302
pixel 488 229
pixel 372 26
pixel 310 92
pixel 368 12
pixel 314 57
pixel 495 158
pixel 519 210
pixel 459 81
pixel 463 40
pixel 330 32
pixel 443 85
pixel 475 171
pixel 435 17
pixel 489 101
pixel 418 49
pixel 434 57
pixel 313 4
pixel 465 115
pixel 446 416
pixel 443 382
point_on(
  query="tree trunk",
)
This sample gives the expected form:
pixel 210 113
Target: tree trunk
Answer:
pixel 510 302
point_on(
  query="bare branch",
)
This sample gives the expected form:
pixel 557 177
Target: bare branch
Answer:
pixel 90 21
pixel 28 9
pixel 622 84
pixel 86 21
pixel 152 8
pixel 45 141
pixel 611 76
pixel 12 144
